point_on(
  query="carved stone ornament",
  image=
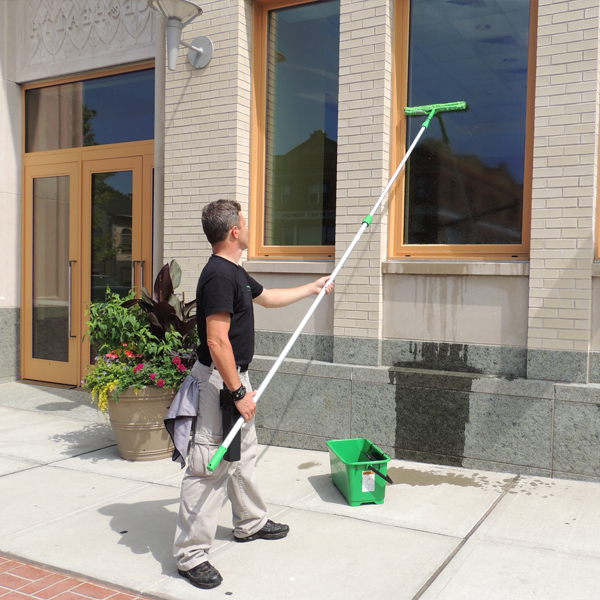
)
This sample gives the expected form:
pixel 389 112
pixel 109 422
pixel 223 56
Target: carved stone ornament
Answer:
pixel 63 30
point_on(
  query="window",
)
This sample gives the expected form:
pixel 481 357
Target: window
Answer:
pixel 467 186
pixel 104 110
pixel 294 128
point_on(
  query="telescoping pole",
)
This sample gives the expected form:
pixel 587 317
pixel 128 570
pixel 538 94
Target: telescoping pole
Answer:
pixel 429 110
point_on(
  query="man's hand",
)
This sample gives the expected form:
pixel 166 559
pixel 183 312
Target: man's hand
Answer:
pixel 319 283
pixel 247 406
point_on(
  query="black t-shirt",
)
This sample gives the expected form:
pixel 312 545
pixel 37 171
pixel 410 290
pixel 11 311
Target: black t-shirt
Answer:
pixel 225 287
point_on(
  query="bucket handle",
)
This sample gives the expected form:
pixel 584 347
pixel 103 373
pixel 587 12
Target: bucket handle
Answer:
pixel 384 477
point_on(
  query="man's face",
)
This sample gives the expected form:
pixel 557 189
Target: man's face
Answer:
pixel 243 234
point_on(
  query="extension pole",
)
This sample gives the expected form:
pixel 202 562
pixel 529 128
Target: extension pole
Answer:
pixel 431 111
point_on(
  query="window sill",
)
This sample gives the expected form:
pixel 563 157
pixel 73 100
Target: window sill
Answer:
pixel 313 267
pixel 517 268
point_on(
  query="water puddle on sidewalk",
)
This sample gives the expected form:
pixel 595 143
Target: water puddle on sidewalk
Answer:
pixel 308 465
pixel 413 477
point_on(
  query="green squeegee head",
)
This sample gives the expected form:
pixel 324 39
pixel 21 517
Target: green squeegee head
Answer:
pixel 435 108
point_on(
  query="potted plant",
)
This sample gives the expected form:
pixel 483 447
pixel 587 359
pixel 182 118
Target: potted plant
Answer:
pixel 145 348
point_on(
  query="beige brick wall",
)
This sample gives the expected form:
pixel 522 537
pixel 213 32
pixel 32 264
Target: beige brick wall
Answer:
pixel 564 175
pixel 207 132
pixel 363 162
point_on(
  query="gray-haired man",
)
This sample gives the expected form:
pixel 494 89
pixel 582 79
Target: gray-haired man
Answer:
pixel 224 295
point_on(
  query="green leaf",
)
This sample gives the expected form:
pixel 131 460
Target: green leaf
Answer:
pixel 175 273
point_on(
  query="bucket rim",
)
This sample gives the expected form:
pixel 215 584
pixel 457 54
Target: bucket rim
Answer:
pixel 332 448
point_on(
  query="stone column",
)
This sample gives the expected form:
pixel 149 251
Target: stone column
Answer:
pixel 564 191
pixel 10 192
pixel 363 171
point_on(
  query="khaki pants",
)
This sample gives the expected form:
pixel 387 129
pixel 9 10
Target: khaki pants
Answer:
pixel 203 492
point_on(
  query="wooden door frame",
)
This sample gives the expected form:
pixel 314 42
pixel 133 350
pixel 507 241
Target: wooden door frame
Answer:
pixel 45 369
pixel 118 156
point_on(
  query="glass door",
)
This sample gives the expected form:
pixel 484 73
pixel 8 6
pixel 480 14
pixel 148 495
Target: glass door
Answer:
pixel 87 227
pixel 114 256
pixel 51 298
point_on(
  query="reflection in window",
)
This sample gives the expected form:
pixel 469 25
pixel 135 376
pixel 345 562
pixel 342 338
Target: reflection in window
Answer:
pixel 50 278
pixel 105 110
pixel 302 109
pixel 465 178
pixel 111 233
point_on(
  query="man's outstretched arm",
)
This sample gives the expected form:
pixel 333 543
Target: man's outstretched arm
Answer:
pixel 285 296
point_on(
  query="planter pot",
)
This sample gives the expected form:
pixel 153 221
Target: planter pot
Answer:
pixel 137 422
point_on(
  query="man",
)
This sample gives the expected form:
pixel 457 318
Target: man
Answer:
pixel 225 314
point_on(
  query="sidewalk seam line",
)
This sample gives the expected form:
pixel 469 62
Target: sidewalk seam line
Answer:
pixel 462 543
pixel 395 525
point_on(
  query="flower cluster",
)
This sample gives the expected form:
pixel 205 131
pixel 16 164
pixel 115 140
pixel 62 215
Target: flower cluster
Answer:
pixel 125 367
pixel 135 350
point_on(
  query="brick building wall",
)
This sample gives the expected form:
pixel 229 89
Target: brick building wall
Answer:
pixel 463 386
pixel 363 170
pixel 207 133
pixel 564 191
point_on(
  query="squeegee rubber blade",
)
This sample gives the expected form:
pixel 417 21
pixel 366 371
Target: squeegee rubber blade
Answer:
pixel 426 109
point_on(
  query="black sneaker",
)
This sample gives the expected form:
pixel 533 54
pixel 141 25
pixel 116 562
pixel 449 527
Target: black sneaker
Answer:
pixel 204 576
pixel 271 531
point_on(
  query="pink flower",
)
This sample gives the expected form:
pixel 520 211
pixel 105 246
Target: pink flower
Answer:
pixel 129 354
pixel 181 367
pixel 152 376
pixel 124 344
pixel 177 360
pixel 138 368
pixel 160 382
pixel 111 355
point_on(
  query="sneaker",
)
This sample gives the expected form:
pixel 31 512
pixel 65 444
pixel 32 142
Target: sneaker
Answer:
pixel 203 576
pixel 271 531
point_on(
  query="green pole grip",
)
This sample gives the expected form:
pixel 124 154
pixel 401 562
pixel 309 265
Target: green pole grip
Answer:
pixel 367 220
pixel 216 459
pixel 427 121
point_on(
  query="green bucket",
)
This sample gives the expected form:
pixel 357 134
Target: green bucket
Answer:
pixel 353 472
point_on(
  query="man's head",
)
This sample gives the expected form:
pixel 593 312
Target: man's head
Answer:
pixel 218 218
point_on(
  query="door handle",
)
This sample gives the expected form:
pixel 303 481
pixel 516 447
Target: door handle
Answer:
pixel 133 263
pixel 70 293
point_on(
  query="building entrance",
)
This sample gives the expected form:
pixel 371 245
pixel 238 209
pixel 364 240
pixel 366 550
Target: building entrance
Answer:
pixel 87 210
pixel 87 227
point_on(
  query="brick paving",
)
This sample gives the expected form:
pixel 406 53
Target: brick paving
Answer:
pixel 22 581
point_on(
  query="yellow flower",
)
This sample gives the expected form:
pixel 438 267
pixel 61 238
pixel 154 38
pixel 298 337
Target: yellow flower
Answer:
pixel 100 395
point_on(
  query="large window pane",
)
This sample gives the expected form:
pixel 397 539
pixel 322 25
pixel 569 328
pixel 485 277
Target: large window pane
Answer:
pixel 465 178
pixel 50 300
pixel 302 111
pixel 105 110
pixel 111 233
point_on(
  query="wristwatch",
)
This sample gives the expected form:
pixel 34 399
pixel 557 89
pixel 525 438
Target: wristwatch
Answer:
pixel 238 394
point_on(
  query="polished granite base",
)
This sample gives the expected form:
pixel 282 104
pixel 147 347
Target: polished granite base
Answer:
pixel 9 344
pixel 475 420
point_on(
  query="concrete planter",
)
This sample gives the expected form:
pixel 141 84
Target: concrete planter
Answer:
pixel 137 422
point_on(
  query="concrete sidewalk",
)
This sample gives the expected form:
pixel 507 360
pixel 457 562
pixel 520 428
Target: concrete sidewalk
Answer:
pixel 70 503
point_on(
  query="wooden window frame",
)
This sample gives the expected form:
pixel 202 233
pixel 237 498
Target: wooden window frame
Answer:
pixel 258 118
pixel 94 74
pixel 397 249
